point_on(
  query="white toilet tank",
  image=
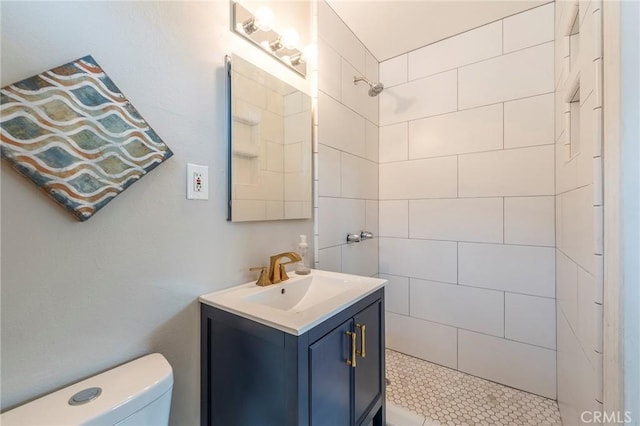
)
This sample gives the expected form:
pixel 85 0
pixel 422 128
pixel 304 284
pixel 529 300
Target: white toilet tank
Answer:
pixel 136 393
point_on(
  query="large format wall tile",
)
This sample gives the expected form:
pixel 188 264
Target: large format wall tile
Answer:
pixel 356 96
pixel 577 226
pixel 529 121
pixel 471 308
pixel 394 218
pixel 330 77
pixel 337 35
pixel 430 260
pixel 527 72
pixel 522 366
pixel 466 48
pixel 394 143
pixel 577 381
pixel 372 216
pixel 517 269
pixel 329 171
pixel 530 319
pixel 588 315
pixel 430 178
pixel 567 288
pixel 359 177
pixel 419 98
pixel 339 216
pixel 372 139
pixel 464 198
pixel 512 172
pixel 437 343
pixel 343 129
pixel 529 28
pixel 396 294
pixel 330 259
pixel 529 220
pixel 394 71
pixel 360 259
pixel 468 219
pixel 474 130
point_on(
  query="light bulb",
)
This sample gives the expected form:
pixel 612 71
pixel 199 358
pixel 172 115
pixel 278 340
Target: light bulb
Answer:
pixel 265 19
pixel 290 38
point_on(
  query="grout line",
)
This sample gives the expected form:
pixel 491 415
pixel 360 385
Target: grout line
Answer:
pixel 468 153
pixel 461 198
pixel 469 286
pixel 467 31
pixel 460 110
pixel 498 243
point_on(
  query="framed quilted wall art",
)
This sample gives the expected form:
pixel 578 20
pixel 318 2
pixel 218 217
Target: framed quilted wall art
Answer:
pixel 72 132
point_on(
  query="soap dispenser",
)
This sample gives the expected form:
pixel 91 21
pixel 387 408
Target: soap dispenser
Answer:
pixel 301 268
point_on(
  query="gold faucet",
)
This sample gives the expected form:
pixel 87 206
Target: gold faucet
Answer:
pixel 277 271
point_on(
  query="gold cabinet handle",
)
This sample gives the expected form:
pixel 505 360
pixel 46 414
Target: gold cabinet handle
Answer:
pixel 363 333
pixel 352 361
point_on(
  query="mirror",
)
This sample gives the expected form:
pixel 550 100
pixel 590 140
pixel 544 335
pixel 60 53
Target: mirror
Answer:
pixel 270 146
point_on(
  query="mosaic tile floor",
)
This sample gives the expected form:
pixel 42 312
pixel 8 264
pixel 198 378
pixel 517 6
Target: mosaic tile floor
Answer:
pixel 449 397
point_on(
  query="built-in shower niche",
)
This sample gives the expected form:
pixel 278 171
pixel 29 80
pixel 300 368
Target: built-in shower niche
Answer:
pixel 246 152
pixel 270 146
pixel 572 83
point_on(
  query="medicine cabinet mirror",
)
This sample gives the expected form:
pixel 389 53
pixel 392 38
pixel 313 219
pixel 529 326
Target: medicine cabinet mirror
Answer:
pixel 269 146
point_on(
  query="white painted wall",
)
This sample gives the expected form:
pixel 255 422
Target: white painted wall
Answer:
pixel 466 201
pixel 347 155
pixel 579 217
pixel 79 298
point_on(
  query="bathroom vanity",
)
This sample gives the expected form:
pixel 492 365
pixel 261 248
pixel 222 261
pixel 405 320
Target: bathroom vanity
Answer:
pixel 309 351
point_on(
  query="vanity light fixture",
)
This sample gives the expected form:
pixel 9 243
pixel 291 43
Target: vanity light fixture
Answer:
pixel 258 28
pixel 276 44
pixel 297 60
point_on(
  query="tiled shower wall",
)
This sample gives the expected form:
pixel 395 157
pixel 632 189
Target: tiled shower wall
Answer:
pixel 579 208
pixel 347 149
pixel 467 201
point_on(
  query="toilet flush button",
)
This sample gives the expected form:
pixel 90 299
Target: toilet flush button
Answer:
pixel 85 396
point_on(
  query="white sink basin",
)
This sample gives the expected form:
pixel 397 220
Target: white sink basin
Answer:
pixel 301 294
pixel 298 304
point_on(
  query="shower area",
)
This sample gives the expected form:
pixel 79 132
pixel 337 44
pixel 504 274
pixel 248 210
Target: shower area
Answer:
pixel 474 160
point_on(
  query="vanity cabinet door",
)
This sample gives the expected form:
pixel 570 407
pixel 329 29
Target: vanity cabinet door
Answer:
pixel 368 372
pixel 330 378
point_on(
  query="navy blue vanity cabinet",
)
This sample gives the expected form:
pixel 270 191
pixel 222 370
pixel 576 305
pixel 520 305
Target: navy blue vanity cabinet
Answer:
pixel 256 375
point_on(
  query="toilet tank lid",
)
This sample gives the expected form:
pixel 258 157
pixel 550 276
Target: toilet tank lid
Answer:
pixel 125 390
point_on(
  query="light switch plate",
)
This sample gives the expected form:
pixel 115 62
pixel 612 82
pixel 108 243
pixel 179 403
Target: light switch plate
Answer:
pixel 197 182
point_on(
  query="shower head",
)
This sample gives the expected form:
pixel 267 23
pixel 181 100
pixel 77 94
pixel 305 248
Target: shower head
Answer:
pixel 374 88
